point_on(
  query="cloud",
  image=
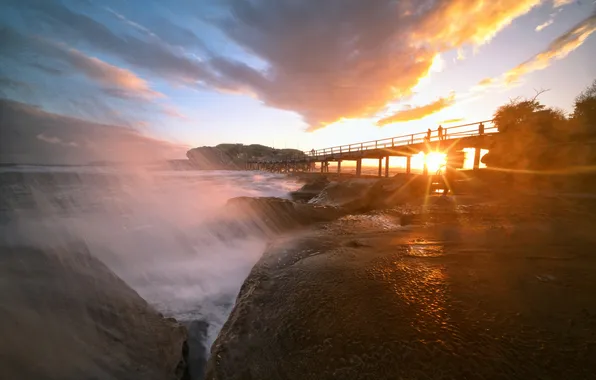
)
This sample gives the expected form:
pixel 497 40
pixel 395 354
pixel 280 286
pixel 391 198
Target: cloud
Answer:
pixel 348 59
pixel 151 55
pixel 452 121
pixel 416 113
pixel 558 49
pixel 32 136
pixel 486 82
pixel 55 140
pixel 114 80
pixel 560 3
pixel 325 61
pixel 544 24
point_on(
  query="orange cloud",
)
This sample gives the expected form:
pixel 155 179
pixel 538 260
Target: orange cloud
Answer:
pixel 376 52
pixel 558 49
pixel 477 22
pixel 560 3
pixel 416 113
pixel 486 82
pixel 106 74
pixel 452 121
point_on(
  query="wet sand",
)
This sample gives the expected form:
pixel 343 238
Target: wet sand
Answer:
pixel 503 290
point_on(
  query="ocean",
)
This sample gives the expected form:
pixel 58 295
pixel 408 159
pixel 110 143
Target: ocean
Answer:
pixel 163 232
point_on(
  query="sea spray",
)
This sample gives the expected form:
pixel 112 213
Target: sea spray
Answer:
pixel 159 231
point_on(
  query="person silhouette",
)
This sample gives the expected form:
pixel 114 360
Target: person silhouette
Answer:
pixel 440 130
pixel 481 129
pixel 429 134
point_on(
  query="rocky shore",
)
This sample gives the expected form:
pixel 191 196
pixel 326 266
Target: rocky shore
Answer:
pixel 406 287
pixel 363 279
pixel 65 315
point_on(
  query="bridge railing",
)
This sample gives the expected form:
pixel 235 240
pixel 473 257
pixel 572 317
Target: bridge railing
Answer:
pixel 458 131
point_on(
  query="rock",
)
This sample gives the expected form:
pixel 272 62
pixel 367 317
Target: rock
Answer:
pixel 402 305
pixel 275 215
pixel 389 192
pixel 64 315
pixel 310 190
pixel 342 193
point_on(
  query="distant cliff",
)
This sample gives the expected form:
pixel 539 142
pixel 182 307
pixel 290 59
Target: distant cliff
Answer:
pixel 234 156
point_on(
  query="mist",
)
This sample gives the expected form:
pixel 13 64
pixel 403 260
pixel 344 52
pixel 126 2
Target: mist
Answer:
pixel 167 234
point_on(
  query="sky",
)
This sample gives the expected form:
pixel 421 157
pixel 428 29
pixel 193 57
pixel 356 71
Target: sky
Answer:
pixel 286 73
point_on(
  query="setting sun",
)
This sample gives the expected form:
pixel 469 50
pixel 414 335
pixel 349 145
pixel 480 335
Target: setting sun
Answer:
pixel 434 161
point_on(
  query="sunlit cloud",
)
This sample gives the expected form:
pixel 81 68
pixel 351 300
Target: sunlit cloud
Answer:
pixel 477 22
pixel 558 49
pixel 342 60
pixel 114 80
pixel 560 3
pixel 361 42
pixel 544 25
pixel 417 113
pixel 452 121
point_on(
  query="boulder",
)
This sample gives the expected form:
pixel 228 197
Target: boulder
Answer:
pixel 65 315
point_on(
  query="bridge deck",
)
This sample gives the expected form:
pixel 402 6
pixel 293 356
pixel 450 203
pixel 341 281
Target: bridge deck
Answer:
pixel 466 135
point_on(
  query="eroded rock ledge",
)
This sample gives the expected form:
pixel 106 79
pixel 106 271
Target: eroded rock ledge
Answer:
pixel 64 315
pixel 459 301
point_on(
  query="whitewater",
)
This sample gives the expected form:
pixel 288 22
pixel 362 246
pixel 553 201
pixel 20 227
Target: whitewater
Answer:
pixel 163 232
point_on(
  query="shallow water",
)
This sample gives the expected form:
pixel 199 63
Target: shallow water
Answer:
pixel 154 229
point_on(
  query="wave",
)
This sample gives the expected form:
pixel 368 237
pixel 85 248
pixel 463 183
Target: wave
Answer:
pixel 164 233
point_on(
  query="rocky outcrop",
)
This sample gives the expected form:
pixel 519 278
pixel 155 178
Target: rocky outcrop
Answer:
pixel 363 195
pixel 64 315
pixel 275 215
pixel 452 303
pixel 234 156
pixel 311 189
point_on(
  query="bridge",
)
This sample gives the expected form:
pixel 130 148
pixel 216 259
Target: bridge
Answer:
pixel 454 139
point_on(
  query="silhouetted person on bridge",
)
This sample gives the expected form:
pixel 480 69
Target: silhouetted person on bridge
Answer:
pixel 429 134
pixel 312 152
pixel 481 129
pixel 440 131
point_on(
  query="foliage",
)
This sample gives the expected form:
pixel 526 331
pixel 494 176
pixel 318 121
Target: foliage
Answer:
pixel 533 136
pixel 584 112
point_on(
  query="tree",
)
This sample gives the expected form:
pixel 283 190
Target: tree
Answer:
pixel 527 129
pixel 584 111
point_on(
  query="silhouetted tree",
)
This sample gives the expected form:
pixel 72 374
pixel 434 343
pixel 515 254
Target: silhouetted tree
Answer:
pixel 584 111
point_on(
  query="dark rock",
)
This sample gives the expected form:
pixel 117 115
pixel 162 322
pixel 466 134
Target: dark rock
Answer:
pixel 318 307
pixel 310 190
pixel 64 315
pixel 342 193
pixel 277 215
pixel 389 192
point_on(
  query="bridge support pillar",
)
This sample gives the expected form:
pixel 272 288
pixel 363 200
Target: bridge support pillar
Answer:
pixel 322 166
pixel 387 167
pixel 477 158
pixel 408 164
pixel 339 167
pixel 380 166
pixel 358 167
pixel 425 167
